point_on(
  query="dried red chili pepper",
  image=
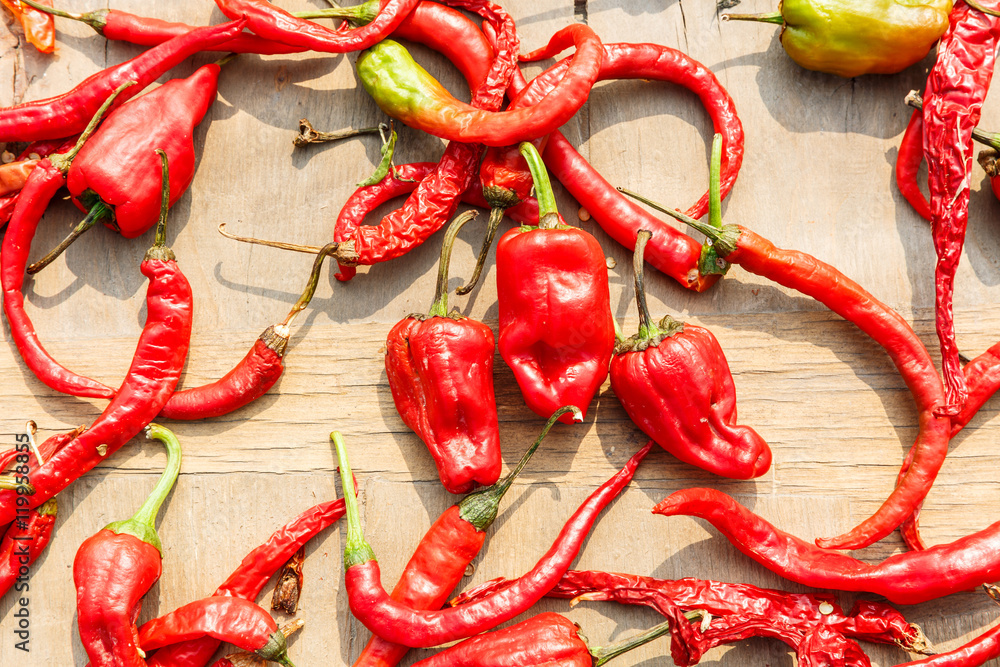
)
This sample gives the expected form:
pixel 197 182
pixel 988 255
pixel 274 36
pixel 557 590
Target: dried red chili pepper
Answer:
pixel 39 27
pixel 905 578
pixel 673 380
pixel 810 276
pixel 235 620
pixel 155 370
pixel 42 184
pixel 70 112
pixel 115 568
pixel 395 622
pixel 116 177
pixel 440 560
pixel 440 371
pixel 556 328
pixel 406 92
pixel 24 542
pixel 956 88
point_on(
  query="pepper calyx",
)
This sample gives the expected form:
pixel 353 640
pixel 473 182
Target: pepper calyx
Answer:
pixel 96 19
pixel 988 161
pixel 276 649
pixel 656 334
pixel 500 197
pixel 275 337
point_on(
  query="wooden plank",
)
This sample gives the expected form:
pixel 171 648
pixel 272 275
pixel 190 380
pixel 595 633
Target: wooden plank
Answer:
pixel 818 176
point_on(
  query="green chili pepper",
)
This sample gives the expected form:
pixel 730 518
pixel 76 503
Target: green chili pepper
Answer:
pixel 854 37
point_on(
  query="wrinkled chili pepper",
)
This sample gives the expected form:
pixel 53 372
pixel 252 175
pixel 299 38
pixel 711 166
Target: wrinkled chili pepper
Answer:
pixel 115 568
pixel 440 371
pixel 235 620
pixel 39 27
pixel 70 112
pixel 854 37
pixel 440 560
pixel 42 184
pixel 24 542
pixel 956 88
pixel 556 328
pixel 116 177
pixel 904 578
pixel 400 624
pixel 406 92
pixel 810 276
pixel 672 252
pixel 673 380
pixel 977 652
pixel 156 367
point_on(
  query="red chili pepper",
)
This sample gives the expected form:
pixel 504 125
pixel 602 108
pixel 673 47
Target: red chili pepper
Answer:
pixel 977 652
pixel 155 370
pixel 440 371
pixel 911 155
pixel 42 184
pixel 70 112
pixel 39 27
pixel 982 375
pixel 35 151
pixel 806 274
pixel 905 578
pixel 674 382
pixel 115 568
pixel 14 175
pixel 395 622
pixel 235 620
pixel 24 541
pixel 556 328
pixel 956 88
pixel 445 552
pixel 47 449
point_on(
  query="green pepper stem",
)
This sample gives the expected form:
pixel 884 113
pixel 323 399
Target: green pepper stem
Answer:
pixel 226 59
pixel 63 161
pixel 309 135
pixel 673 213
pixel 480 507
pixel 97 212
pixel 638 276
pixel 603 654
pixel 358 14
pixel 548 213
pixel 619 336
pixel 94 19
pixel 715 183
pixel 439 308
pixel 385 163
pixel 357 550
pixel 146 514
pixel 10 483
pixel 770 17
pixel 991 139
pixel 979 8
pixel 328 250
pixel 496 215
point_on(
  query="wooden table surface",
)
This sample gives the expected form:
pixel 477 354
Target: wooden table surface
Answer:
pixel 818 176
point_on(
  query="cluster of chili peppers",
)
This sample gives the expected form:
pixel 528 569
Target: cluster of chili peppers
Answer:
pixel 556 330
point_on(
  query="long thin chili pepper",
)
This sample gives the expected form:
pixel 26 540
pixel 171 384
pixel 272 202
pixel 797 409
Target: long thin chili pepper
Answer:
pixel 904 578
pixel 115 568
pixel 397 623
pixel 151 379
pixel 911 155
pixel 70 112
pixel 23 544
pixel 956 88
pixel 447 548
pixel 42 184
pixel 806 274
pixel 235 620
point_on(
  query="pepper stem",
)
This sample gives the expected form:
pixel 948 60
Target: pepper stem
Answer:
pixel 724 239
pixel 63 161
pixel 97 212
pixel 991 139
pixel 307 249
pixel 358 14
pixel 142 523
pixel 387 151
pixel 715 184
pixel 603 654
pixel 357 550
pixel 771 17
pixel 647 327
pixel 326 251
pixel 9 483
pixel 979 8
pixel 496 215
pixel 309 135
pixel 480 508
pixel 440 306
pixel 548 213
pixel 159 249
pixel 226 59
pixel 95 19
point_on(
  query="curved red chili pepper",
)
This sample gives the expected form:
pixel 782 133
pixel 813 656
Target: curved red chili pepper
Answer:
pixel 905 578
pixel 151 379
pixel 24 541
pixel 400 624
pixel 275 24
pixel 972 654
pixel 953 100
pixel 911 155
pixel 70 112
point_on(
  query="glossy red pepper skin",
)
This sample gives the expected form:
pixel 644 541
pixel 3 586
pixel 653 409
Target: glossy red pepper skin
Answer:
pixel 440 371
pixel 982 375
pixel 235 620
pixel 70 112
pixel 556 331
pixel 911 155
pixel 680 392
pixel 119 167
pixel 24 542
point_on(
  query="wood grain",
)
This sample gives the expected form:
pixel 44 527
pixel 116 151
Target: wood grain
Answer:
pixel 817 176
